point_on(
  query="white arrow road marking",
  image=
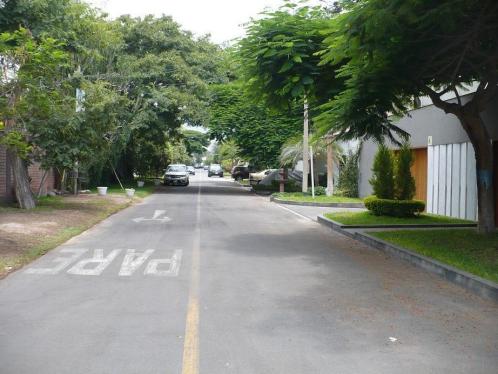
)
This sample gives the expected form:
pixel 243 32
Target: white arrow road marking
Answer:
pixel 155 217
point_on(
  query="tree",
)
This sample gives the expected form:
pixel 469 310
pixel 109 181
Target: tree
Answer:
pixel 382 180
pixel 404 183
pixel 281 62
pixel 258 132
pixel 196 143
pixel 349 173
pixel 400 49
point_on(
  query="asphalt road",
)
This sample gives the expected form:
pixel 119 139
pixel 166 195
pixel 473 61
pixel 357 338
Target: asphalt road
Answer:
pixel 213 279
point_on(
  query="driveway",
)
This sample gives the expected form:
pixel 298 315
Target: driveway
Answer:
pixel 213 279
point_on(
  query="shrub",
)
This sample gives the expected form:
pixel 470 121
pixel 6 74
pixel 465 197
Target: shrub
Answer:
pixel 395 208
pixel 404 183
pixel 349 174
pixel 319 190
pixel 382 180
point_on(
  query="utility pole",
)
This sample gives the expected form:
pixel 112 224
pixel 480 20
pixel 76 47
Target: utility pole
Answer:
pixel 330 165
pixel 305 147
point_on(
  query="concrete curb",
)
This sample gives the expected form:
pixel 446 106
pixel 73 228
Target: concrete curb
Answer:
pixel 328 221
pixel 307 203
pixel 479 286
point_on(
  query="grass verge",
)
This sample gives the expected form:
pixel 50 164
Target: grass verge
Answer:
pixel 301 197
pixel 367 218
pixel 464 249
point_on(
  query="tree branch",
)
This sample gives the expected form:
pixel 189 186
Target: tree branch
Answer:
pixel 437 101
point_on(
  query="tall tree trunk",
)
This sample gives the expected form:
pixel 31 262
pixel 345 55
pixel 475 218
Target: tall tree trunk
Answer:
pixel 24 195
pixel 483 148
pixel 306 158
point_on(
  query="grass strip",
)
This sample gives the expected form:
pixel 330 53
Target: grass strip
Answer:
pixel 301 197
pixel 464 249
pixel 367 218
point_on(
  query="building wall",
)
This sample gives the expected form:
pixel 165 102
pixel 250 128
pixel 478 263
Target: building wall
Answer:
pixel 36 175
pixel 451 180
pixel 422 123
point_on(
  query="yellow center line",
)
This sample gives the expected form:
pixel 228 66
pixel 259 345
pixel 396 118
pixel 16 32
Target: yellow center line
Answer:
pixel 190 363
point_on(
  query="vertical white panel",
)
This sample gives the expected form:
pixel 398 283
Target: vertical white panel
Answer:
pixel 463 180
pixel 449 167
pixel 471 184
pixel 455 181
pixel 430 178
pixel 442 180
pixel 435 199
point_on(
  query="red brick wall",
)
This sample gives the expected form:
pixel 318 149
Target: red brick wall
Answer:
pixel 3 172
pixel 35 173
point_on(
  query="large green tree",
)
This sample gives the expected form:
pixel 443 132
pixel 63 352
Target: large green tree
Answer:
pixel 258 131
pixel 395 50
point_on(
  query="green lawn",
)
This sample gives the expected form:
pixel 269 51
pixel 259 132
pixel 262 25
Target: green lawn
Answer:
pixel 300 197
pixel 367 218
pixel 464 249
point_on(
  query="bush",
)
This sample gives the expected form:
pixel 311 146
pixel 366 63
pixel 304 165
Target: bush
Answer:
pixel 395 208
pixel 404 183
pixel 290 186
pixel 349 174
pixel 319 190
pixel 382 180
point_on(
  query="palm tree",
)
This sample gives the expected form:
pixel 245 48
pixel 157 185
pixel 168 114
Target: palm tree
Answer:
pixel 292 152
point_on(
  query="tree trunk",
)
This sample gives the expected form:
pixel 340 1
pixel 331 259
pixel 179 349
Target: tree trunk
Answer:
pixel 483 148
pixel 24 195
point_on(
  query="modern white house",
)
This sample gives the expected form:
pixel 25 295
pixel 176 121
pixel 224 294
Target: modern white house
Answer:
pixel 444 167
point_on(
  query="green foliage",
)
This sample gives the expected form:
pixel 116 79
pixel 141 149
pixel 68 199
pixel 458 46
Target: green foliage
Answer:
pixel 195 142
pixel 395 208
pixel 319 191
pixel 279 55
pixel 258 132
pixel 349 173
pixel 382 180
pixel 404 183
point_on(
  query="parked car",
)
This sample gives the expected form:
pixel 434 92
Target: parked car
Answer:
pixel 176 174
pixel 255 178
pixel 206 167
pixel 215 169
pixel 191 170
pixel 241 172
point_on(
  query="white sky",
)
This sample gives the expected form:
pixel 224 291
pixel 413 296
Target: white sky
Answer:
pixel 223 19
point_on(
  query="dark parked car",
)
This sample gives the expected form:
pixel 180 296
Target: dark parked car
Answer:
pixel 215 169
pixel 241 172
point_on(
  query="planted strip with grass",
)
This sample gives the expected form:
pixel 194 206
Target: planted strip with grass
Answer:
pixel 464 249
pixel 301 197
pixel 367 218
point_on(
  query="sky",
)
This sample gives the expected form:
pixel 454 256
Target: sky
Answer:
pixel 223 19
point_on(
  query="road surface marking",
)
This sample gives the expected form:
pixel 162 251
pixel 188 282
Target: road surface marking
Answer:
pixel 98 259
pixel 63 262
pixel 155 217
pixel 133 260
pixel 172 269
pixel 295 213
pixel 190 363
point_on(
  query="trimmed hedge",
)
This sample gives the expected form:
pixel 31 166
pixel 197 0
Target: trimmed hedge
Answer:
pixel 395 208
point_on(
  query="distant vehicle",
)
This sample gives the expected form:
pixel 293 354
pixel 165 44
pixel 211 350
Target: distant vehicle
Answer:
pixel 191 170
pixel 255 178
pixel 215 169
pixel 206 167
pixel 176 174
pixel 198 166
pixel 241 172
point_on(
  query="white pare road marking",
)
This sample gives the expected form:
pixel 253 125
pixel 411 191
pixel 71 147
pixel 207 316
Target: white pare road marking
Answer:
pixel 63 262
pixel 155 217
pixel 133 260
pixel 98 259
pixel 171 270
pixel 95 265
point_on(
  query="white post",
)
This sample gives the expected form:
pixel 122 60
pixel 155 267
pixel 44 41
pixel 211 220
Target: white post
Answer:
pixel 312 174
pixel 330 167
pixel 305 148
